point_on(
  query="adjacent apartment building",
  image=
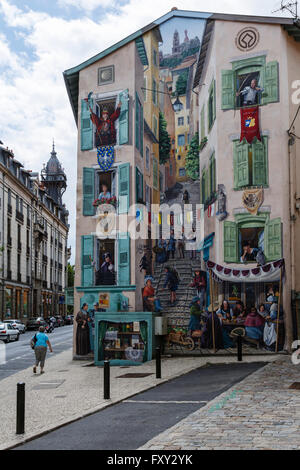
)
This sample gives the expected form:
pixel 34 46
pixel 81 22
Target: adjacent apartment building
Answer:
pixel 251 189
pixel 33 238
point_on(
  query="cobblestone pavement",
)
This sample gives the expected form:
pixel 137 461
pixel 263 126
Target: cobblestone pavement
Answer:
pixel 69 390
pixel 261 412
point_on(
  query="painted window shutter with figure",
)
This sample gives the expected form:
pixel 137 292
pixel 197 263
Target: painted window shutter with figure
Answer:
pixel 228 92
pixel 124 187
pixel 86 126
pixel 123 119
pixel 241 164
pixel 273 240
pixel 271 85
pixel 87 254
pixel 259 157
pixel 230 242
pixel 88 191
pixel 124 260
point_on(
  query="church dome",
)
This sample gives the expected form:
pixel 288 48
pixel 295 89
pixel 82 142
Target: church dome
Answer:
pixel 53 166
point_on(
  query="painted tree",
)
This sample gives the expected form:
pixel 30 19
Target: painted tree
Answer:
pixel 192 158
pixel 164 140
pixel 181 83
pixel 71 275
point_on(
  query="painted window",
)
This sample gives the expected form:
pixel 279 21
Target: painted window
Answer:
pixel 182 172
pixel 139 186
pixel 155 126
pixel 181 121
pixel 154 92
pixel 106 75
pixel 250 163
pixel 234 82
pixel 181 140
pixel 102 275
pixel 147 159
pixel 259 231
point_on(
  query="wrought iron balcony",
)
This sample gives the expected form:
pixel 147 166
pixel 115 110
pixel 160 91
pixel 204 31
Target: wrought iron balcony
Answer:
pixel 19 217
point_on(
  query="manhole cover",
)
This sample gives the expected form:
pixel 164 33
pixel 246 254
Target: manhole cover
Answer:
pixel 133 375
pixel 295 386
pixel 48 384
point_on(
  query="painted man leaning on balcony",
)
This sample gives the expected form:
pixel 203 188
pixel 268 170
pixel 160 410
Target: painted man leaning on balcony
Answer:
pixel 250 93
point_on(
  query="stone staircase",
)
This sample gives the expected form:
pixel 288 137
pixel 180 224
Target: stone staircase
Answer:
pixel 179 314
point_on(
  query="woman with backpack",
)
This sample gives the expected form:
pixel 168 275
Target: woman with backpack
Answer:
pixel 39 343
pixel 172 281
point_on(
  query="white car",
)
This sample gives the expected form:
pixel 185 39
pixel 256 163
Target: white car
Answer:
pixel 17 324
pixel 8 333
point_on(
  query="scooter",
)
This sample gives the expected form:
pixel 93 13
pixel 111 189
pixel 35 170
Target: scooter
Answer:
pixel 49 328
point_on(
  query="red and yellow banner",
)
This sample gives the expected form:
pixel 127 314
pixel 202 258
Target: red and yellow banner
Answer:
pixel 250 124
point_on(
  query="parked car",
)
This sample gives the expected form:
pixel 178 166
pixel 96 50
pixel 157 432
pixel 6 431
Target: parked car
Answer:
pixel 59 320
pixel 8 332
pixel 69 320
pixel 35 323
pixel 17 324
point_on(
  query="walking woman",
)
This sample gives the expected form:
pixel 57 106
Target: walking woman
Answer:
pixel 172 282
pixel 41 342
pixel 82 333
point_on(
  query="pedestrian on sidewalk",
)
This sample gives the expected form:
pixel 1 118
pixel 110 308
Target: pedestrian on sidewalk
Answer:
pixel 192 245
pixel 82 332
pixel 41 343
pixel 172 281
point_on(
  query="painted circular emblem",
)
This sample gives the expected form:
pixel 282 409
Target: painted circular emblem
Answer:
pixel 247 39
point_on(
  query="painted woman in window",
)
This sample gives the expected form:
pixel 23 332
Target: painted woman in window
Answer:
pixel 105 125
pixel 105 194
pixel 250 93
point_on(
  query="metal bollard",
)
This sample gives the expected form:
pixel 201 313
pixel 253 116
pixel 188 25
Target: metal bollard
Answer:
pixel 239 348
pixel 158 363
pixel 20 425
pixel 106 380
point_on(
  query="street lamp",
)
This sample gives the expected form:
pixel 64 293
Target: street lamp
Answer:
pixel 177 105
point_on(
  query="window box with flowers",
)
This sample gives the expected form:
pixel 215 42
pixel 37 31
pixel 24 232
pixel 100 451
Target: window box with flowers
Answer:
pixel 110 201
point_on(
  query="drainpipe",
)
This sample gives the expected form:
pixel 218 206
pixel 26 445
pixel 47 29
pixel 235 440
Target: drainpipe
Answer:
pixel 292 172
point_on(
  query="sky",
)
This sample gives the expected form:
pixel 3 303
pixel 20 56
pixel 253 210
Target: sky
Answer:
pixel 39 39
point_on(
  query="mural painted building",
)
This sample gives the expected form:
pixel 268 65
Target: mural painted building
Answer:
pixel 250 188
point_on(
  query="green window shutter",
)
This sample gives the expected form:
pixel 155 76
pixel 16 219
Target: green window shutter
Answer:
pixel 88 191
pixel 230 242
pixel 141 131
pixel 271 85
pixel 228 90
pixel 202 122
pixel 206 176
pixel 259 162
pixel 212 175
pixel 273 240
pixel 124 260
pixel 87 256
pixel 123 119
pixel 86 126
pixel 214 101
pixel 203 188
pixel 241 165
pixel 137 122
pixel 124 187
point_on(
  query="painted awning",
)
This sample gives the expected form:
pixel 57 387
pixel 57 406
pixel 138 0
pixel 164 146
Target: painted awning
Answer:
pixel 268 273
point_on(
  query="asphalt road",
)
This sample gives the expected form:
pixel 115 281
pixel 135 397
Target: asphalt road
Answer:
pixel 19 355
pixel 133 422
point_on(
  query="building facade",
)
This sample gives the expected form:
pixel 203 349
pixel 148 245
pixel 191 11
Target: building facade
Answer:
pixel 249 187
pixel 34 236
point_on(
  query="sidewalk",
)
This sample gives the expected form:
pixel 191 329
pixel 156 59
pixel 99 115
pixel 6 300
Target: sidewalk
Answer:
pixel 260 412
pixel 69 390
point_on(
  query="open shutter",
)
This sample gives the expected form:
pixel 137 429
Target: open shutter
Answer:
pixel 214 101
pixel 86 126
pixel 141 131
pixel 259 162
pixel 228 89
pixel 123 119
pixel 87 255
pixel 88 191
pixel 241 164
pixel 124 260
pixel 230 242
pixel 137 121
pixel 273 240
pixel 271 85
pixel 202 122
pixel 124 188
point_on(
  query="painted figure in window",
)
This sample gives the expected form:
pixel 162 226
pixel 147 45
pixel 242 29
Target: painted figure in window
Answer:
pixel 106 274
pixel 252 254
pixel 105 194
pixel 105 125
pixel 250 93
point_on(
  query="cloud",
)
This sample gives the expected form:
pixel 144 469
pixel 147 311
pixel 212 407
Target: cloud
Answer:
pixel 32 90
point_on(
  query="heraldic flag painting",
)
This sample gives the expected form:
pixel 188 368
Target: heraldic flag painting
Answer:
pixel 250 124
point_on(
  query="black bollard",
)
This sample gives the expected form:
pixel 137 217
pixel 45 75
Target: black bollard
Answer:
pixel 240 348
pixel 158 363
pixel 20 428
pixel 106 380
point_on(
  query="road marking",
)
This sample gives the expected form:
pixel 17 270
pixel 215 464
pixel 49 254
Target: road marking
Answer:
pixel 165 401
